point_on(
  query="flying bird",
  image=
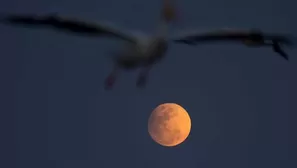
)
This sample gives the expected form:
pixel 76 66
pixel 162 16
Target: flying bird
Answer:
pixel 141 50
pixel 249 37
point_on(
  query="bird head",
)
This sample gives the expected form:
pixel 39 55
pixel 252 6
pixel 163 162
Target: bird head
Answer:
pixel 168 11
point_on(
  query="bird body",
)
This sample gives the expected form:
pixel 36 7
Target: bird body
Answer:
pixel 145 52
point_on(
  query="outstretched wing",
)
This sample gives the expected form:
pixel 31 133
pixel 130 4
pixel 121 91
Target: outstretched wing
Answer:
pixel 211 36
pixel 248 37
pixel 67 25
pixel 230 35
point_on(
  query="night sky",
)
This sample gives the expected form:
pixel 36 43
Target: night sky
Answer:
pixel 55 112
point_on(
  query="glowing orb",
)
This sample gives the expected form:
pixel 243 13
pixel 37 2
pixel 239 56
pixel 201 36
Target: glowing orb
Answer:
pixel 169 124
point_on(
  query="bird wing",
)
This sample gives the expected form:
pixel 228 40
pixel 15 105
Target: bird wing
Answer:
pixel 67 25
pixel 196 37
pixel 236 35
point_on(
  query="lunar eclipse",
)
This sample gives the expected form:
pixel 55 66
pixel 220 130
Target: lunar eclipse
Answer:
pixel 169 124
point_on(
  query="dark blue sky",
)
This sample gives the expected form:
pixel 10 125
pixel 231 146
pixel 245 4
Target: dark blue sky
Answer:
pixel 56 114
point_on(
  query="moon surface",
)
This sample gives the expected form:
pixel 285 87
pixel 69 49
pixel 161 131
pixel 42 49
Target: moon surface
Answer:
pixel 169 124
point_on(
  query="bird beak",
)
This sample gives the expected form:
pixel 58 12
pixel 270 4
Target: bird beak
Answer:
pixel 168 11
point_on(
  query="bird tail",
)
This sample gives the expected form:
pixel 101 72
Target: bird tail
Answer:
pixel 277 48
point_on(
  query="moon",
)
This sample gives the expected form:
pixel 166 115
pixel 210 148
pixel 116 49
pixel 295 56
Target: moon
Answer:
pixel 169 124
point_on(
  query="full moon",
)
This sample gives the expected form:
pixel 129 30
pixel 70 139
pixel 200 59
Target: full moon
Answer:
pixel 169 124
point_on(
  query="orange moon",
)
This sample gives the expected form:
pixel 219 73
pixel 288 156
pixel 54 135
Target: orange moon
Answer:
pixel 169 124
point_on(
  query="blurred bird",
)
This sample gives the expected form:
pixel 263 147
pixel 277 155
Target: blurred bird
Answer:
pixel 143 50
